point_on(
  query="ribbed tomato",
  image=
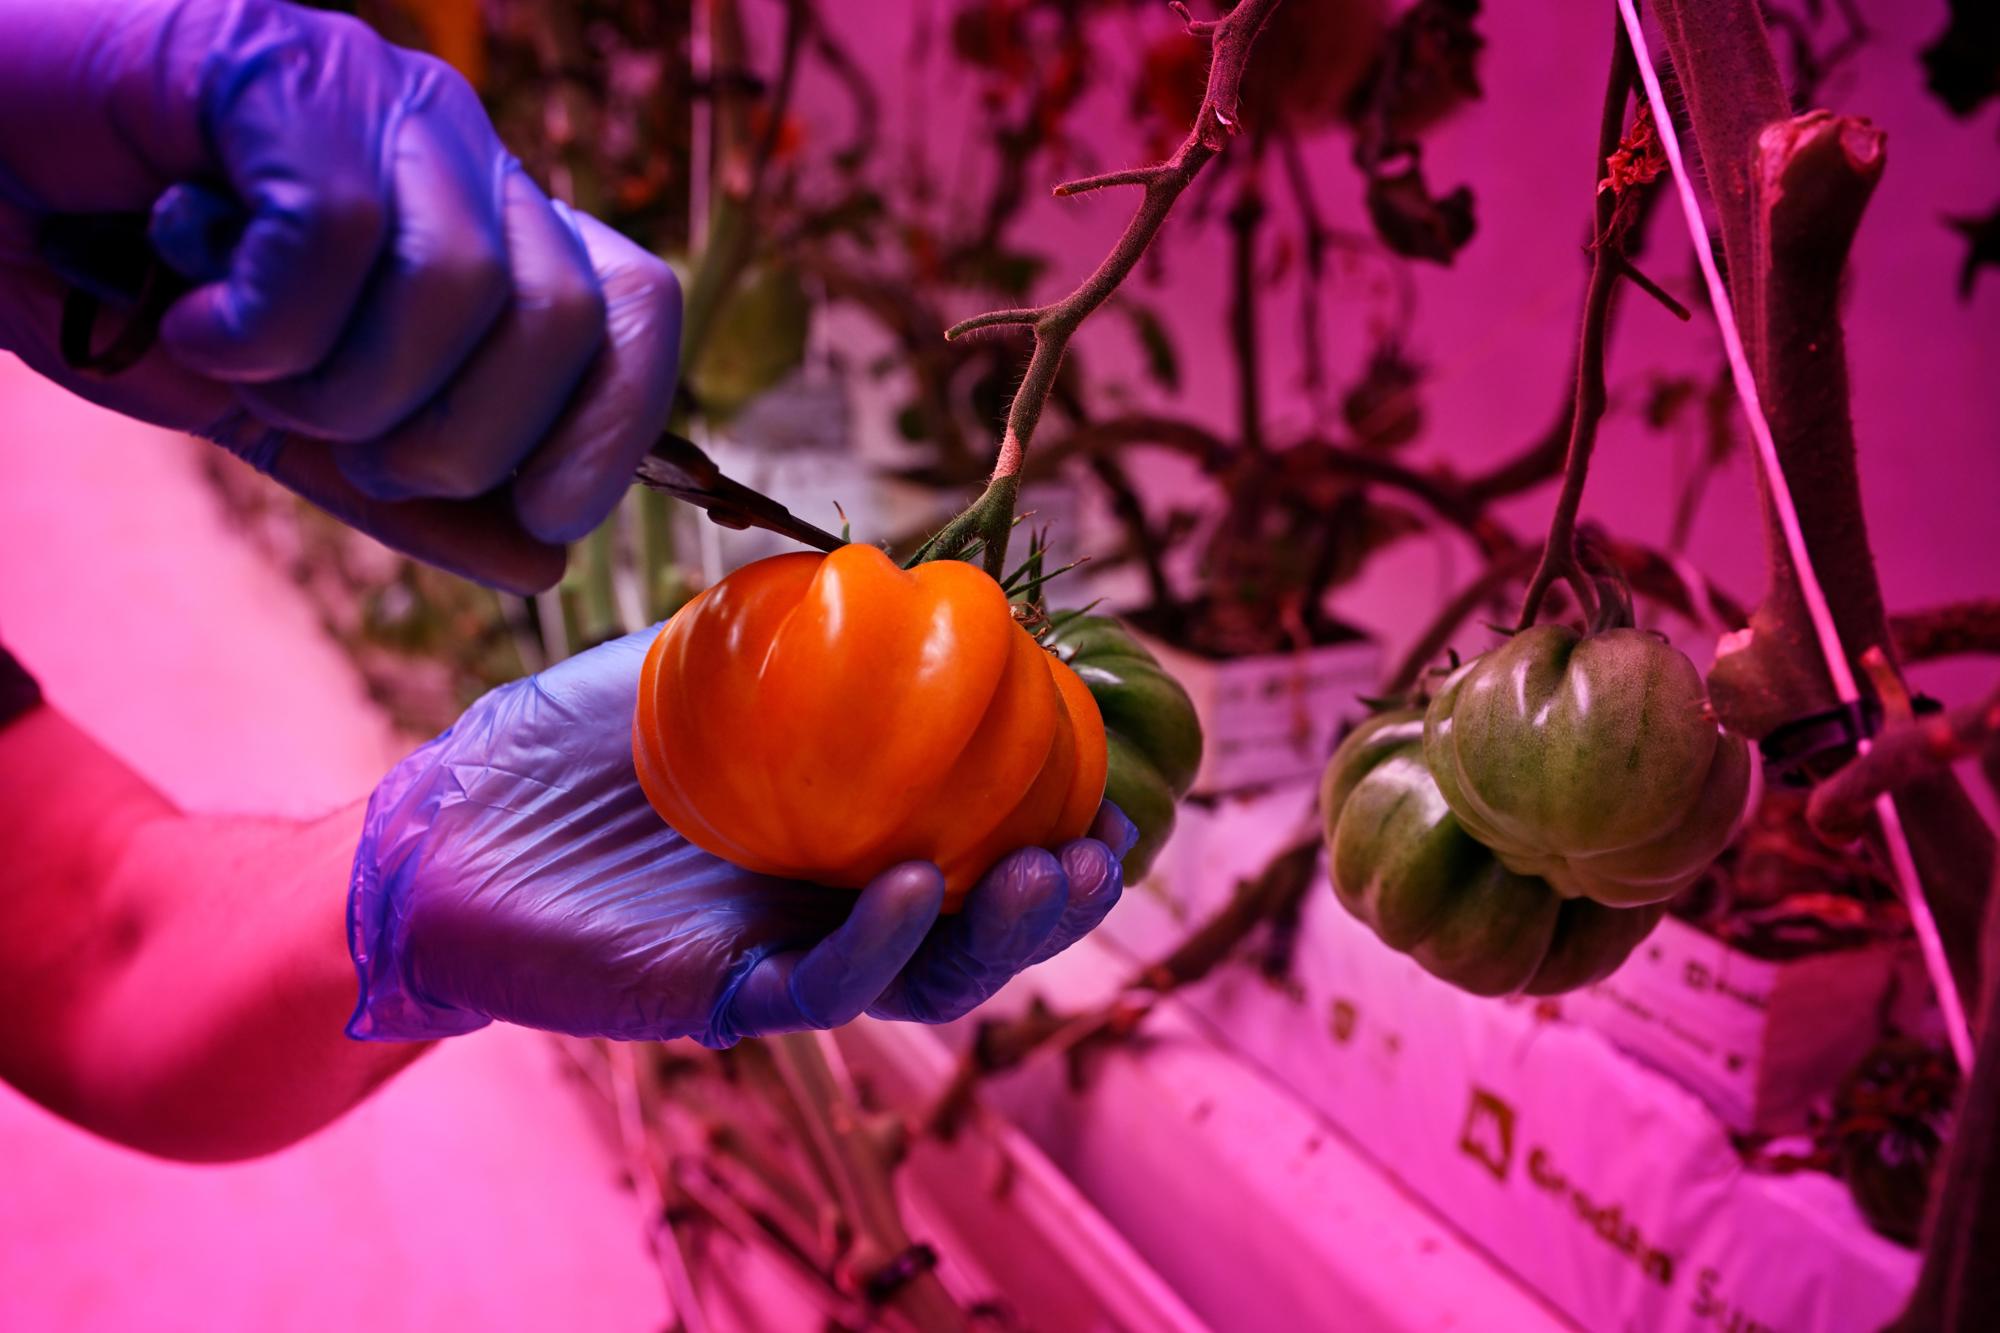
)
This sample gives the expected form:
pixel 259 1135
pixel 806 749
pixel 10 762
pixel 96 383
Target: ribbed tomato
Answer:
pixel 1589 760
pixel 826 717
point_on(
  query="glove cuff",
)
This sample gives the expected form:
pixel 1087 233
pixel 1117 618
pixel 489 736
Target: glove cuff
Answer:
pixel 390 1007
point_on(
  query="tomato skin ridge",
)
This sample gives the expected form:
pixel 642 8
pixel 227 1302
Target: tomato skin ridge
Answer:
pixel 663 791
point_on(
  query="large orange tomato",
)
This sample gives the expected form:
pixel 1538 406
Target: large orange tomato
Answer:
pixel 826 717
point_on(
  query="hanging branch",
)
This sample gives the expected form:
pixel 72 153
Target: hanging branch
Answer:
pixel 1239 548
pixel 1559 557
pixel 1212 453
pixel 1947 631
pixel 1919 747
pixel 1312 286
pixel 1543 456
pixel 1245 219
pixel 989 518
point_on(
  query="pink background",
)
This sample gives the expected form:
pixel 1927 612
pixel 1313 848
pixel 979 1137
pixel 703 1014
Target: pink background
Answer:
pixel 1495 330
pixel 474 1192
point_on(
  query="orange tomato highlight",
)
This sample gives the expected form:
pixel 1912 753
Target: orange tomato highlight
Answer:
pixel 827 717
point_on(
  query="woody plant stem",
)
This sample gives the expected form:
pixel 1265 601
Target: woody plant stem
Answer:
pixel 987 522
pixel 1559 555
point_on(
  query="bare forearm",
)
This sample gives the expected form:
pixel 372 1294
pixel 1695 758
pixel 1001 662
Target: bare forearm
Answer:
pixel 178 983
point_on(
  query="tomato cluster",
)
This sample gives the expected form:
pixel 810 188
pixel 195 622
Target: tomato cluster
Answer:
pixel 1402 862
pixel 1522 833
pixel 825 717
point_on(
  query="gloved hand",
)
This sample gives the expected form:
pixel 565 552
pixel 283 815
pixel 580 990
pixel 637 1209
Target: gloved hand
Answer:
pixel 512 869
pixel 405 323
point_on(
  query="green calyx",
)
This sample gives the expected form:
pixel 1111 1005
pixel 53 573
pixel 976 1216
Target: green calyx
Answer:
pixel 979 531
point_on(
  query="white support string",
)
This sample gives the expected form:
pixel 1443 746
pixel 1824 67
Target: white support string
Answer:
pixel 1903 864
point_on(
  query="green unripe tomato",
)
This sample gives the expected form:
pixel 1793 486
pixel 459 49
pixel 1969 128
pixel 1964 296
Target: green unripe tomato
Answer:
pixel 1401 862
pixel 1589 761
pixel 1150 727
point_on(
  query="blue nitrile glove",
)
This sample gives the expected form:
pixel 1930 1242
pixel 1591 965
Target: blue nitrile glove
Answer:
pixel 512 869
pixel 405 322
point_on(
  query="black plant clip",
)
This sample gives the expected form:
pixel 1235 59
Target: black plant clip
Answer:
pixel 106 260
pixel 882 1284
pixel 1803 751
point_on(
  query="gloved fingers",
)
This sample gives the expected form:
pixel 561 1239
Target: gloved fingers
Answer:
pixel 1096 881
pixel 440 285
pixel 295 275
pixel 832 982
pixel 1095 866
pixel 195 228
pixel 574 478
pixel 471 435
pixel 305 161
pixel 1008 918
pixel 1114 830
pixel 480 539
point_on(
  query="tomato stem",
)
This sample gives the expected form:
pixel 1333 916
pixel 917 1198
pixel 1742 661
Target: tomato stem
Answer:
pixel 1614 213
pixel 991 516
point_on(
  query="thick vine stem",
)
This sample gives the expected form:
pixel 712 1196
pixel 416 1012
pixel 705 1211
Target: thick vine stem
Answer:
pixel 1813 176
pixel 989 518
pixel 1790 193
pixel 862 1175
pixel 1559 555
